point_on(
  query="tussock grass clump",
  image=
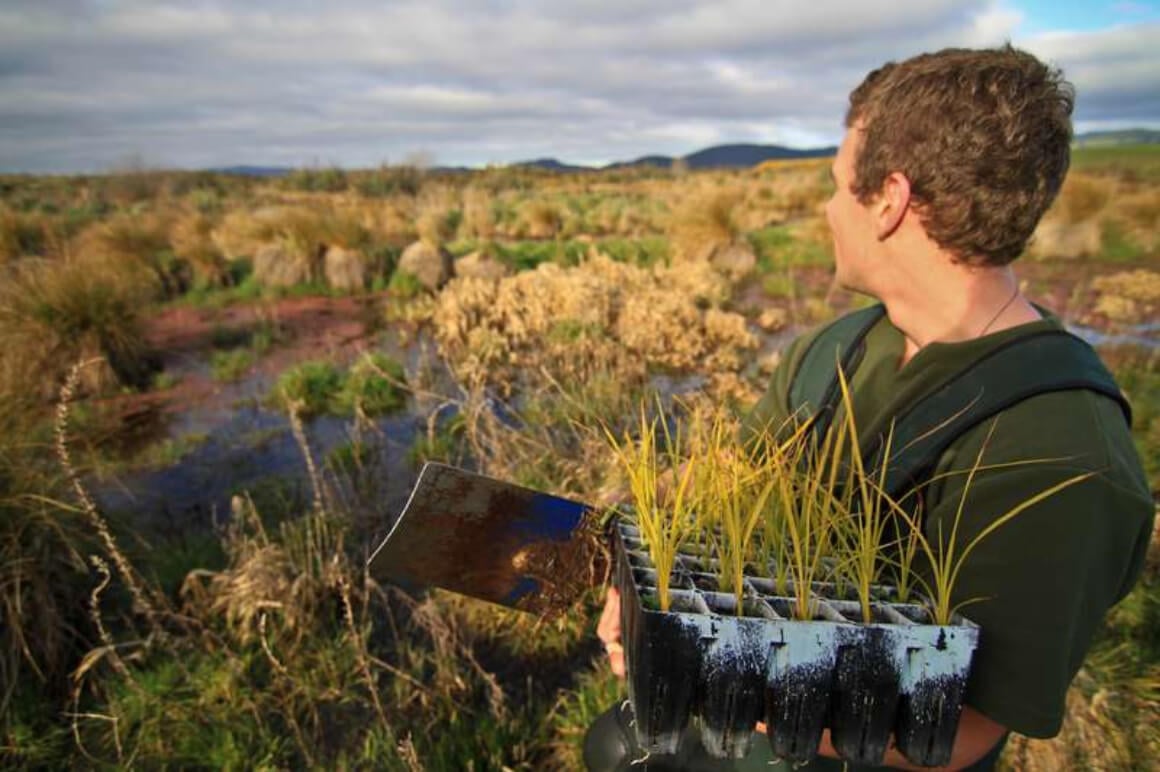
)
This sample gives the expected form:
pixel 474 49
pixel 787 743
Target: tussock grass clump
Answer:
pixel 478 215
pixel 54 313
pixel 136 243
pixel 704 223
pixel 298 230
pixel 310 388
pixel 192 239
pixel 436 226
pixel 541 219
pixel 43 577
pixel 21 234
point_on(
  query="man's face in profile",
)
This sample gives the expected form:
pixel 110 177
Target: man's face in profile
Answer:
pixel 850 220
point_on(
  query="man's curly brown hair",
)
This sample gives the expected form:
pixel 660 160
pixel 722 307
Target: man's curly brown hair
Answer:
pixel 983 136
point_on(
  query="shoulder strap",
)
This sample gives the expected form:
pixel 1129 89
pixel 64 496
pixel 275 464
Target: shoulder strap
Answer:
pixel 814 386
pixel 1049 361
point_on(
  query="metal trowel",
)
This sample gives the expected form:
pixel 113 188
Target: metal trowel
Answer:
pixel 489 539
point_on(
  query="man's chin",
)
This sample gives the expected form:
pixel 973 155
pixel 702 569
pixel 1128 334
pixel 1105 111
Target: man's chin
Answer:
pixel 849 284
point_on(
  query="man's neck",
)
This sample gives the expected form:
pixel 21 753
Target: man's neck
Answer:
pixel 952 303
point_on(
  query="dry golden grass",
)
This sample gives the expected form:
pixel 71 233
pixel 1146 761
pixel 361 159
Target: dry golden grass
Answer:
pixel 133 243
pixel 435 226
pixel 1138 213
pixel 478 215
pixel 1082 197
pixel 541 219
pixel 666 317
pixel 55 313
pixel 1128 296
pixel 791 190
pixel 192 238
pixel 300 233
pixel 704 222
pixel 1055 238
pixel 23 233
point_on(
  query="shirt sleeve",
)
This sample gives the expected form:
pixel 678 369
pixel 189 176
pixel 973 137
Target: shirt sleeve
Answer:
pixel 1040 585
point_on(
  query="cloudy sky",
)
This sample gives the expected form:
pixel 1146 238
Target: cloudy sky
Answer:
pixel 91 85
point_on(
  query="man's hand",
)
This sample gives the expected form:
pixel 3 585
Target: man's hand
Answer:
pixel 609 632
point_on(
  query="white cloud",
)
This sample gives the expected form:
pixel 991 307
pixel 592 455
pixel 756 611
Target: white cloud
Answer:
pixel 84 84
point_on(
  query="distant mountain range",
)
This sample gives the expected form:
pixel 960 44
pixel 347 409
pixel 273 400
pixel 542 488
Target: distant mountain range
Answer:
pixel 1121 137
pixel 727 156
pixel 255 171
pixel 716 157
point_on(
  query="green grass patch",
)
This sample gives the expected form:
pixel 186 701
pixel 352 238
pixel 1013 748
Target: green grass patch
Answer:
pixel 525 255
pixel 373 386
pixel 596 691
pixel 1140 162
pixel 573 330
pixel 163 380
pixel 246 290
pixel 310 387
pixel 231 365
pixel 777 248
pixel 444 442
pixel 167 452
pixel 779 284
pixel 405 285
pixel 370 387
pixel 1117 245
pixel 644 252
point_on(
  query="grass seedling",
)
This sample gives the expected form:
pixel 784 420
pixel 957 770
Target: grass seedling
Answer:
pixel 663 516
pixel 804 473
pixel 864 530
pixel 945 556
pixel 741 506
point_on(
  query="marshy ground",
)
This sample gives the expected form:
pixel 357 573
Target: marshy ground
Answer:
pixel 266 363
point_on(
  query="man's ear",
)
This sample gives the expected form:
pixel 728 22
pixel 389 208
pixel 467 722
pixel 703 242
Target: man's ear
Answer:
pixel 892 204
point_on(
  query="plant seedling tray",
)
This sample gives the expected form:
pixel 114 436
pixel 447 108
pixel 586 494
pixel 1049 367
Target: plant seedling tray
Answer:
pixel 900 674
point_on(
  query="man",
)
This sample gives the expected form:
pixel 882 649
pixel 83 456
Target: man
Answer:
pixel 948 162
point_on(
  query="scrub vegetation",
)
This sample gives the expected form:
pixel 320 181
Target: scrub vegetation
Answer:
pixel 541 311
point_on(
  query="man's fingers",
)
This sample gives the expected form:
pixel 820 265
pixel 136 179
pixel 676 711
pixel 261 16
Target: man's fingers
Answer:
pixel 615 658
pixel 608 629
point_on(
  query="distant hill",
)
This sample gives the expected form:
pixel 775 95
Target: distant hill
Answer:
pixel 255 171
pixel 659 161
pixel 551 164
pixel 750 155
pixel 1120 137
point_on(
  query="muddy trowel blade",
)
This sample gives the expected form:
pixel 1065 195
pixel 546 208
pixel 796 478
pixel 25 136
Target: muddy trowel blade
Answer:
pixel 490 539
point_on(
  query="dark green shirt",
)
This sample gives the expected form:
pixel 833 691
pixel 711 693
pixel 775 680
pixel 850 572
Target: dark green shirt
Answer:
pixel 1042 583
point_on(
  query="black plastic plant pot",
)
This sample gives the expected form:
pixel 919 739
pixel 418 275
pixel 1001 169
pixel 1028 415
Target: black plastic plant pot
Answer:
pixel 933 685
pixel 662 657
pixel 866 692
pixel 798 686
pixel 732 698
